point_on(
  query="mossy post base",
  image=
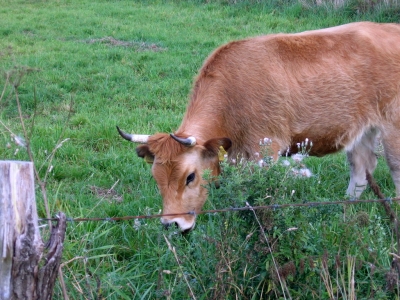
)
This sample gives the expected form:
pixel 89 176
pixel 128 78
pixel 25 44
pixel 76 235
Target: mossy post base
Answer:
pixel 21 247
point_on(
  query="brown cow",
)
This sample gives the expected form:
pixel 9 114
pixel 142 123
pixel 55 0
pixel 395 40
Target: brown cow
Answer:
pixel 339 87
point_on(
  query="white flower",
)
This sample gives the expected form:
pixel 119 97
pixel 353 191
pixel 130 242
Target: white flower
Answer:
pixel 267 141
pixel 305 172
pixel 20 141
pixel 298 157
pixel 286 163
pixel 137 224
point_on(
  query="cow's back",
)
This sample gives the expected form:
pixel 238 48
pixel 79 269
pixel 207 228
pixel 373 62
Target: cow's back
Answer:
pixel 295 86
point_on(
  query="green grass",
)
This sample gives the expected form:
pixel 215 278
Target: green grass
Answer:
pixel 87 66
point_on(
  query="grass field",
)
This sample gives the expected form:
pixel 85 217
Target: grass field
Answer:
pixel 79 68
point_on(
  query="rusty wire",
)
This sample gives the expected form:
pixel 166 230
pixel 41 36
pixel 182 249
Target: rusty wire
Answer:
pixel 231 209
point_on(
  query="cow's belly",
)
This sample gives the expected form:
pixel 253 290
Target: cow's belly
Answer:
pixel 321 145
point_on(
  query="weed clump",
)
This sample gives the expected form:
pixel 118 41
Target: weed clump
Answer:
pixel 294 247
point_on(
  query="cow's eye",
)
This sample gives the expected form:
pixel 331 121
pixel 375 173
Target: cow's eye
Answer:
pixel 190 178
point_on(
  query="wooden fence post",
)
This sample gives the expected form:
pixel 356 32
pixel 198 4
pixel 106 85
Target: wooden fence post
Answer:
pixel 21 247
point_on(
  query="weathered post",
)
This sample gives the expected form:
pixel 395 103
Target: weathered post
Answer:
pixel 21 247
pixel 20 241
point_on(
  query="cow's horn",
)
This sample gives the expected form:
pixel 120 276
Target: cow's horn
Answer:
pixel 135 138
pixel 190 141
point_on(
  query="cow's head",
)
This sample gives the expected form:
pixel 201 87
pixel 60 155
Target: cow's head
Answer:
pixel 178 165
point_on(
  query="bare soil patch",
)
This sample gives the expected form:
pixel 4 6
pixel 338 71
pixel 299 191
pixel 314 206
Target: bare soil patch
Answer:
pixel 109 194
pixel 139 46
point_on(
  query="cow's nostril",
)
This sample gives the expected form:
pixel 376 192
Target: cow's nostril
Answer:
pixel 186 231
pixel 182 225
pixel 166 226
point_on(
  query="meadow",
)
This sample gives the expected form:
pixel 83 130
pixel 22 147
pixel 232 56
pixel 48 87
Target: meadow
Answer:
pixel 73 70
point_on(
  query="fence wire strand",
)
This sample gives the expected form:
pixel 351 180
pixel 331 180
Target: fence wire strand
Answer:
pixel 231 209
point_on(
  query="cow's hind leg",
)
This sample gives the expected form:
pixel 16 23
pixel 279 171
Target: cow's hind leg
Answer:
pixel 391 144
pixel 361 158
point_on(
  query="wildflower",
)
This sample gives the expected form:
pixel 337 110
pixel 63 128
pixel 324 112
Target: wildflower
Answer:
pixel 286 163
pixel 298 157
pixel 305 172
pixel 302 172
pixel 20 141
pixel 261 163
pixel 137 224
pixel 267 141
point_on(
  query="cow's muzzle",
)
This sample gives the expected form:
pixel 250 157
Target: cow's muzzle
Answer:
pixel 182 223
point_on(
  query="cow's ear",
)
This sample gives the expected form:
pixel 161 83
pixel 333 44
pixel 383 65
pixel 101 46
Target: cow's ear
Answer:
pixel 144 152
pixel 213 146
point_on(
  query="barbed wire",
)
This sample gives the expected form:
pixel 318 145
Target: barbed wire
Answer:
pixel 229 209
